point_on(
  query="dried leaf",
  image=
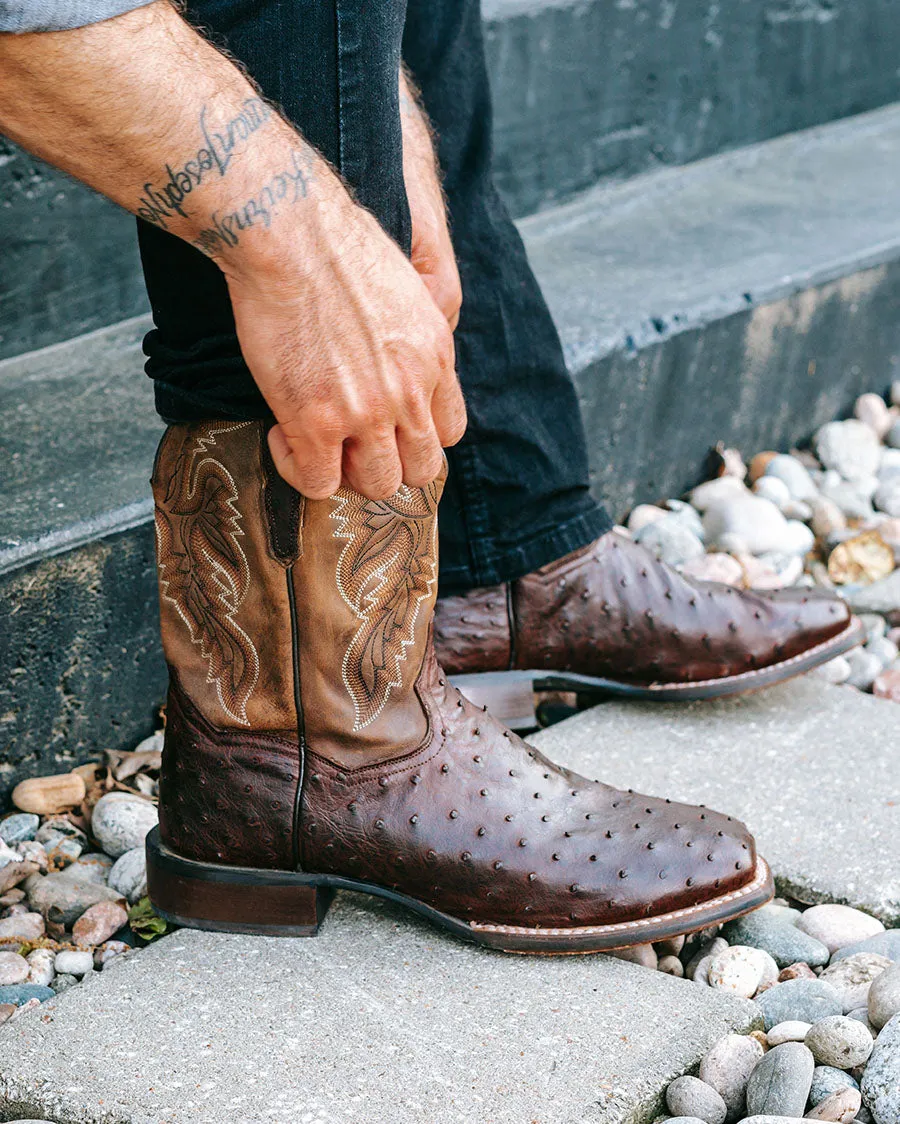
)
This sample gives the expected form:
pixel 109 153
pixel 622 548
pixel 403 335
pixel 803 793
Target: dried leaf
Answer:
pixel 145 922
pixel 865 558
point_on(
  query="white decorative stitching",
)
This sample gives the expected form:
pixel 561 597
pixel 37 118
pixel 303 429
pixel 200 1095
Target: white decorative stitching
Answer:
pixel 403 578
pixel 222 586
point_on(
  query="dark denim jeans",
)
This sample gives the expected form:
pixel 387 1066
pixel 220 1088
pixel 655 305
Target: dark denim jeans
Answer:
pixel 517 495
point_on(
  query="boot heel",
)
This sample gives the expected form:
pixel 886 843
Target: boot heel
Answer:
pixel 232 899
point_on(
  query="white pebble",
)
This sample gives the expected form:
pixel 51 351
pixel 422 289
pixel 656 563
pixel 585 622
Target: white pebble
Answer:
pixel 837 926
pixel 791 1031
pixel 73 963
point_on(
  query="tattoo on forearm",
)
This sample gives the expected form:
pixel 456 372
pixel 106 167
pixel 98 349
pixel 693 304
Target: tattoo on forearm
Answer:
pixel 158 204
pixel 282 190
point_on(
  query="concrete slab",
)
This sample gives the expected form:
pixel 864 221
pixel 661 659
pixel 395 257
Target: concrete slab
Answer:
pixel 378 1020
pixel 813 769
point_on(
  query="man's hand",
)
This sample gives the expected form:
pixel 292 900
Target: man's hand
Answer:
pixel 355 360
pixel 432 249
pixel 337 328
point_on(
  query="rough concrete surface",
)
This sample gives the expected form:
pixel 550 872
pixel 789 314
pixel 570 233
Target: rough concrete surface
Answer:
pixel 380 1019
pixel 813 769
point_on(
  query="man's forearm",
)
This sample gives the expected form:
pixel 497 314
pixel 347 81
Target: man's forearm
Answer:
pixel 336 326
pixel 147 112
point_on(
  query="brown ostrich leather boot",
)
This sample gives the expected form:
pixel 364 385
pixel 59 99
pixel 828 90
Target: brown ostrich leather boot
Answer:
pixel 313 743
pixel 610 619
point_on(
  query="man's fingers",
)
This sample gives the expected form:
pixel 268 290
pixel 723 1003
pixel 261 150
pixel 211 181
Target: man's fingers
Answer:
pixel 313 469
pixel 448 410
pixel 420 454
pixel 372 465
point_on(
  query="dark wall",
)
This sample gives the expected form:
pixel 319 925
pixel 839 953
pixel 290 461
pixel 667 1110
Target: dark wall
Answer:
pixel 68 259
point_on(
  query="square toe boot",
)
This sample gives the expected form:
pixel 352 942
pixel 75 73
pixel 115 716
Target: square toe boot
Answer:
pixel 611 619
pixel 313 743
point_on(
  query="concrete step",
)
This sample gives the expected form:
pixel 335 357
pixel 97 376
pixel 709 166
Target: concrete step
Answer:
pixel 746 298
pixel 379 1019
pixel 595 89
pixel 584 90
pixel 812 769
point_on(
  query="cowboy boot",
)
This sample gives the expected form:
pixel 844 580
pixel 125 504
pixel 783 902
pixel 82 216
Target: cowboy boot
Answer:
pixel 312 741
pixel 610 619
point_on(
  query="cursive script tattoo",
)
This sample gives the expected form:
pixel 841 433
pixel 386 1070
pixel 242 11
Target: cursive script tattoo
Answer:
pixel 282 190
pixel 159 203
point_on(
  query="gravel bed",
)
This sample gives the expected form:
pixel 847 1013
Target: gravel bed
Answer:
pixel 826 516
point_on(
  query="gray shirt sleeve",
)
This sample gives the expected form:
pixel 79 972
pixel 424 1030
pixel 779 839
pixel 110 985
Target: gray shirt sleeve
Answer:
pixel 60 15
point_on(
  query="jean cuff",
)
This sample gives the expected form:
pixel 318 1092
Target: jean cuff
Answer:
pixel 491 566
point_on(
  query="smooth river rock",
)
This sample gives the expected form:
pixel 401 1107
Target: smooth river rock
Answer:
pixel 129 875
pixel 827 1080
pixel 884 997
pixel 63 897
pixel 852 977
pixel 881 1080
pixel 839 1108
pixel 121 822
pixel 689 1096
pixel 799 1000
pixel 837 926
pixel 727 1068
pixel 783 941
pixel 839 1042
pixel 780 1083
pixel 882 944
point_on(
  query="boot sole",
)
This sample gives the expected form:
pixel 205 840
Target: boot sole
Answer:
pixel 510 695
pixel 278 903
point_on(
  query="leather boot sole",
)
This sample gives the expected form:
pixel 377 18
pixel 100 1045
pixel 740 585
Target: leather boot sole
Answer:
pixel 511 695
pixel 287 904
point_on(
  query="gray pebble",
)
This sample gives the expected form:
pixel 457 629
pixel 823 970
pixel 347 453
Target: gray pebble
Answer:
pixel 63 897
pixel 861 1014
pixel 56 828
pixel 794 475
pixel 19 828
pixel 121 822
pixel 689 1096
pixel 840 1042
pixel 129 875
pixel 697 968
pixel 670 540
pixel 839 1108
pixel 885 651
pixel 852 977
pixel 827 1080
pixel 727 1068
pixel 883 944
pixel 864 668
pixel 881 1080
pixel 63 981
pixel 884 997
pixel 95 867
pixel 780 1083
pixel 783 941
pixel 875 626
pixel 799 1000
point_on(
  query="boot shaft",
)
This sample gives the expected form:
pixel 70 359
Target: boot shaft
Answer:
pixel 288 625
